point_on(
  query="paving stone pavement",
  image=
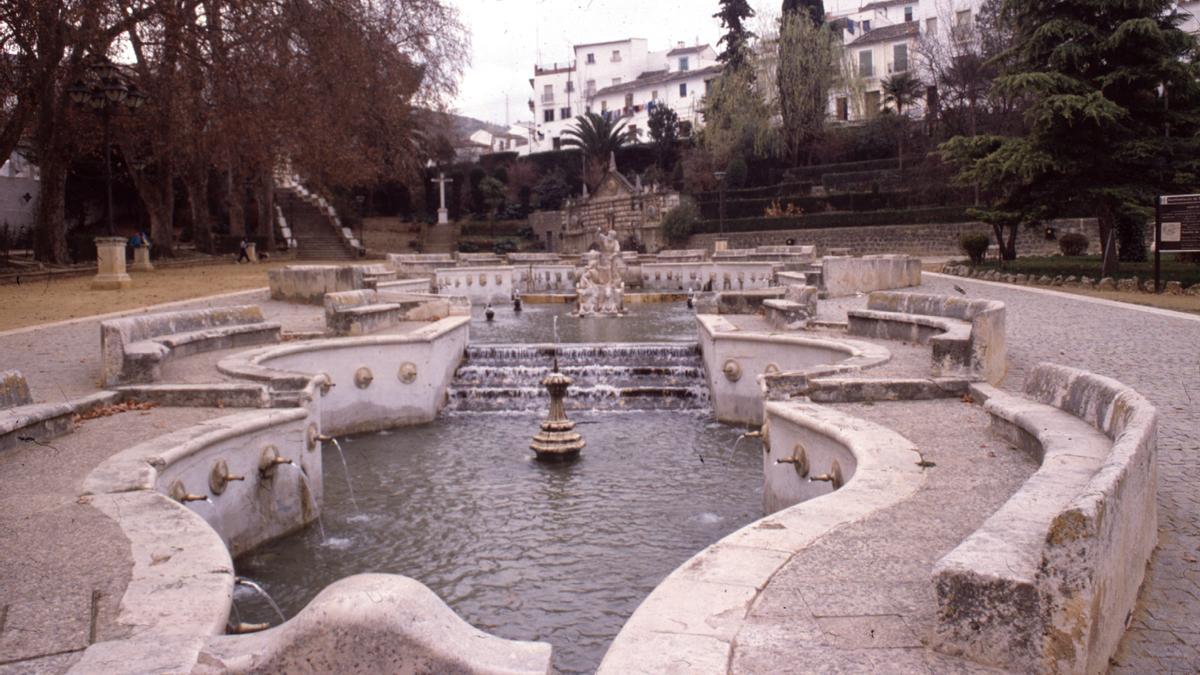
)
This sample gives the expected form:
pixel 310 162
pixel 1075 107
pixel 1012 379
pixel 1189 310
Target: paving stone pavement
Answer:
pixel 62 362
pixel 1159 356
pixel 860 599
pixel 63 564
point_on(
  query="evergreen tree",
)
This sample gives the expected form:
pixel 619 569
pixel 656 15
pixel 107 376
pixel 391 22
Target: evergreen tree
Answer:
pixel 664 131
pixel 804 75
pixel 1100 138
pixel 733 14
pixel 816 9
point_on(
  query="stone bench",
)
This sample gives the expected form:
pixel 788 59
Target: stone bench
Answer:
pixel 792 312
pixel 359 313
pixel 21 419
pixel 1048 582
pixel 373 275
pixel 134 348
pixel 966 336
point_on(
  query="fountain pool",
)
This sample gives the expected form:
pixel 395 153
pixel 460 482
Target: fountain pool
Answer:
pixel 521 549
pixel 650 322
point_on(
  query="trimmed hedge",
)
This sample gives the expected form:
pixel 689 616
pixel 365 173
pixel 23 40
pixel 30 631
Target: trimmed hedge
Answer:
pixel 814 173
pixel 941 214
pixel 501 228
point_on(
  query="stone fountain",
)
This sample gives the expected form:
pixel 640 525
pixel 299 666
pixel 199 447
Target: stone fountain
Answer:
pixel 600 289
pixel 557 441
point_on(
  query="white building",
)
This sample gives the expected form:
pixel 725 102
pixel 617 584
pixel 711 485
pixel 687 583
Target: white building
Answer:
pixel 622 78
pixel 884 37
pixel 514 139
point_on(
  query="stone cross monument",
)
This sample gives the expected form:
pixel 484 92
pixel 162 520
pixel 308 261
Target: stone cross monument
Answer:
pixel 443 212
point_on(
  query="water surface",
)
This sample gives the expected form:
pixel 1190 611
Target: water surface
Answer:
pixel 560 553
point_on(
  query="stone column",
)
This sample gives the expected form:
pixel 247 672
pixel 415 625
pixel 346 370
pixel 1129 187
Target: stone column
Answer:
pixel 110 265
pixel 141 260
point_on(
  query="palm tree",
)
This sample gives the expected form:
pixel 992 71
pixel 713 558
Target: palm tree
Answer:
pixel 902 90
pixel 598 137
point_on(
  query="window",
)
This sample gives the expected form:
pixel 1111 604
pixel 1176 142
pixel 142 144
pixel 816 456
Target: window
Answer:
pixel 931 26
pixel 843 108
pixel 548 115
pixel 616 56
pixel 591 88
pixel 570 86
pixel 962 19
pixel 683 90
pixel 591 58
pixel 587 109
pixel 865 67
pixel 962 26
pixel 899 58
pixel 683 64
pixel 908 14
pixel 557 143
pixel 616 81
pixel 654 95
pixel 867 26
pixel 603 106
pixel 629 100
pixel 871 102
pixel 708 86
pixel 548 93
pixel 564 114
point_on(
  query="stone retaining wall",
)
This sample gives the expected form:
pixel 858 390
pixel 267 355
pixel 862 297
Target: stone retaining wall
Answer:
pixel 842 276
pixel 924 240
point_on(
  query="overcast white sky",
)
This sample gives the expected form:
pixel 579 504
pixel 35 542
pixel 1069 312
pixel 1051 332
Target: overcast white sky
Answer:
pixel 509 36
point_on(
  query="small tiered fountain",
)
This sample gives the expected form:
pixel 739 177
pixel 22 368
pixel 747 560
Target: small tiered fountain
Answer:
pixel 557 441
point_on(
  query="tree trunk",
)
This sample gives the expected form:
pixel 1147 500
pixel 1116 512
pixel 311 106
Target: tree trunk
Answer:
pixel 235 205
pixel 1111 264
pixel 195 184
pixel 264 198
pixel 157 193
pixel 50 235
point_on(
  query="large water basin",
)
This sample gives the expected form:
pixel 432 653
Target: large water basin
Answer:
pixel 524 550
pixel 650 322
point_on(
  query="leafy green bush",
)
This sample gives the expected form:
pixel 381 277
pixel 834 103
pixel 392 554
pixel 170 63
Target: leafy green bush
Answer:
pixel 975 245
pixel 680 222
pixel 1073 244
pixel 736 173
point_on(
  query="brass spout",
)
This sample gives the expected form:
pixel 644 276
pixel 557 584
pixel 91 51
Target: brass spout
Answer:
pixel 834 476
pixel 180 494
pixel 798 460
pixel 753 434
pixel 324 438
pixel 219 477
pixel 269 460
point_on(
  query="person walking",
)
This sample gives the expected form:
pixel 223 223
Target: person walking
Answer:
pixel 244 254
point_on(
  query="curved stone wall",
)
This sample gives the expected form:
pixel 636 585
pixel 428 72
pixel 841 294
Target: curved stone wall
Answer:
pixel 735 360
pixel 378 382
pixel 690 622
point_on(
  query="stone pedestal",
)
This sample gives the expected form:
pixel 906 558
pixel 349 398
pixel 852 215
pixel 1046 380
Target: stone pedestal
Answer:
pixel 110 265
pixel 141 260
pixel 443 216
pixel 720 245
pixel 252 251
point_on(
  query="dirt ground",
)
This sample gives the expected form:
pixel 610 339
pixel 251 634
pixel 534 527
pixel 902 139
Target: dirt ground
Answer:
pixel 45 301
pixel 1179 303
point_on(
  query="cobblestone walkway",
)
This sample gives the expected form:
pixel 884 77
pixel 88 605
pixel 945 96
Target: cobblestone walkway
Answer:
pixel 1159 356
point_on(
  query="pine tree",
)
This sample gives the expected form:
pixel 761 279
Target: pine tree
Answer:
pixel 733 14
pixel 1099 136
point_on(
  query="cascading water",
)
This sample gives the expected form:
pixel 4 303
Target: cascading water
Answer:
pixel 666 376
pixel 312 498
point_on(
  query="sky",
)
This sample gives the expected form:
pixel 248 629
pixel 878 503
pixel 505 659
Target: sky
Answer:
pixel 509 36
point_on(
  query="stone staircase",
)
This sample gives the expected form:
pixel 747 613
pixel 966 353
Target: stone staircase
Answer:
pixel 314 226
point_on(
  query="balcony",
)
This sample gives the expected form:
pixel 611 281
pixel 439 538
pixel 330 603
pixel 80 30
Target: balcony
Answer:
pixel 897 67
pixel 866 70
pixel 547 99
pixel 553 68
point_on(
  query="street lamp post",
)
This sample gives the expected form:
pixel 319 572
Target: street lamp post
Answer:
pixel 103 90
pixel 720 201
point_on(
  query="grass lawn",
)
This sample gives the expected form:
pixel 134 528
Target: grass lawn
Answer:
pixel 1172 270
pixel 35 302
